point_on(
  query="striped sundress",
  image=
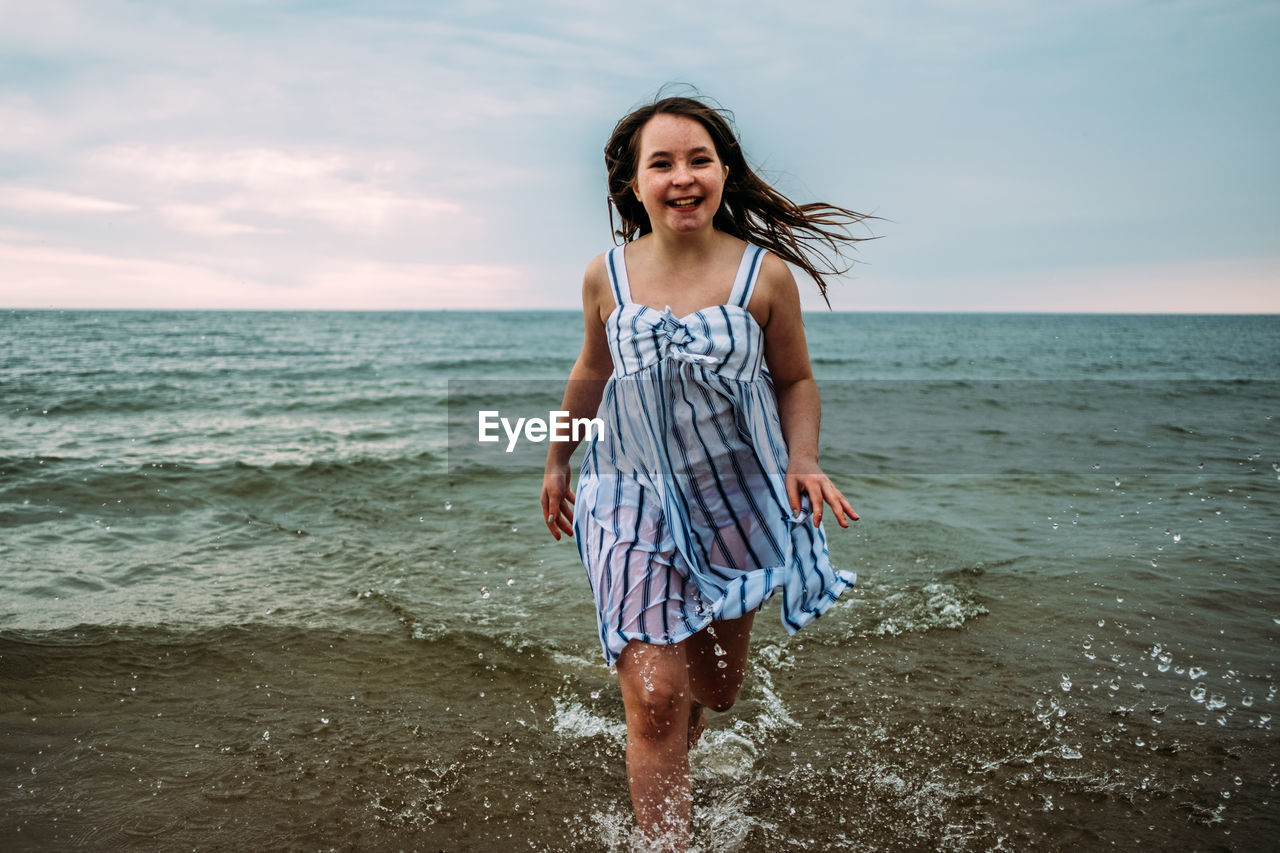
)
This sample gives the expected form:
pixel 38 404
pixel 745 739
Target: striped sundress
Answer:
pixel 682 514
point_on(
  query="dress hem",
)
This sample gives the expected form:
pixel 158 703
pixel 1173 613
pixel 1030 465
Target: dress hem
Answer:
pixel 844 580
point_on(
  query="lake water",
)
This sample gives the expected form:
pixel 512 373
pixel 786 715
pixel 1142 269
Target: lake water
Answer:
pixel 255 592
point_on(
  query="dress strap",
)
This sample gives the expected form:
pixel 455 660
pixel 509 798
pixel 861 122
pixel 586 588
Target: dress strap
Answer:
pixel 616 261
pixel 748 272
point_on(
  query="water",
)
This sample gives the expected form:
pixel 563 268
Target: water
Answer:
pixel 255 593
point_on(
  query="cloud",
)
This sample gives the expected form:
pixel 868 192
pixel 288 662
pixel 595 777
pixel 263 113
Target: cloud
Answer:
pixel 243 183
pixel 34 200
pixel 377 285
pixel 40 276
pixel 268 148
pixel 207 221
pixel 1225 285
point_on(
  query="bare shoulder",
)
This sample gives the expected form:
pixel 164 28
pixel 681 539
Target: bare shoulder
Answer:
pixel 596 292
pixel 596 274
pixel 775 294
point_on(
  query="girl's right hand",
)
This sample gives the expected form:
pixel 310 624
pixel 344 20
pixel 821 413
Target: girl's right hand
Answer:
pixel 557 499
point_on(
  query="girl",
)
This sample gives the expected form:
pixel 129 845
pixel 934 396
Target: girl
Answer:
pixel 703 496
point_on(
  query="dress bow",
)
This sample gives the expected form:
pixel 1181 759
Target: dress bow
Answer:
pixel 675 336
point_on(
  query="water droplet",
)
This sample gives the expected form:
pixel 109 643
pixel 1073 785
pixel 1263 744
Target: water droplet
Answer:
pixel 511 581
pixel 1117 482
pixel 719 651
pixel 1198 693
pixel 448 505
pixel 514 529
pixel 1247 701
pixel 721 664
pixel 266 735
pixel 484 592
pixel 595 694
pixel 324 720
pixel 1196 672
pixel 1066 683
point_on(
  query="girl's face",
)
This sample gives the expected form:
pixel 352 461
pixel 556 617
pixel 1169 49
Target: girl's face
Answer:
pixel 679 177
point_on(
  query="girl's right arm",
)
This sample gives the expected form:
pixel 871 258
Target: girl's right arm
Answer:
pixel 581 396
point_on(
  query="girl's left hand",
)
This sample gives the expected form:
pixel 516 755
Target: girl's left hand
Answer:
pixel 805 476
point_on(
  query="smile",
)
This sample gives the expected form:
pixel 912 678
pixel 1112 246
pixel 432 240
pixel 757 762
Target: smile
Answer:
pixel 685 203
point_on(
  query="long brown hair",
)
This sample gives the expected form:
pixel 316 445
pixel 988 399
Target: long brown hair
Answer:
pixel 811 236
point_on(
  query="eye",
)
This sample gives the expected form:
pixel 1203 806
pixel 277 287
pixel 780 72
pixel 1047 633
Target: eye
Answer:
pixel 659 164
pixel 701 161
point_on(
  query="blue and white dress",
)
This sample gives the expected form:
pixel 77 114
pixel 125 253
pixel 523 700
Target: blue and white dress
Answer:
pixel 682 514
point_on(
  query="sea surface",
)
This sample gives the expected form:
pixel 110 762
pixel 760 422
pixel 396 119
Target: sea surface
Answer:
pixel 261 587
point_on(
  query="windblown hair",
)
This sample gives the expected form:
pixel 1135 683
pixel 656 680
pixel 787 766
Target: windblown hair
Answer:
pixel 811 236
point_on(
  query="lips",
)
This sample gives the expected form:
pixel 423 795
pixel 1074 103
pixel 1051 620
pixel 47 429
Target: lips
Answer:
pixel 684 203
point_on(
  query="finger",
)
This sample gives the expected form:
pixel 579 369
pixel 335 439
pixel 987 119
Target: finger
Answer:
pixel 815 502
pixel 793 495
pixel 838 506
pixel 853 516
pixel 550 517
pixel 842 507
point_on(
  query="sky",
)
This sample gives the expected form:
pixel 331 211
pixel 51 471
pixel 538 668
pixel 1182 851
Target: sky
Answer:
pixel 384 155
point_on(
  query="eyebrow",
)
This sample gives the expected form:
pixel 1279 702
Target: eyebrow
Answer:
pixel 701 149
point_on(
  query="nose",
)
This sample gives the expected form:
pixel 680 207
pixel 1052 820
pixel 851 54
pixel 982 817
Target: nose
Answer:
pixel 681 175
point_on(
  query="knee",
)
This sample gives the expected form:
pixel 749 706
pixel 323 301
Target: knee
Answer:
pixel 655 713
pixel 719 689
pixel 721 698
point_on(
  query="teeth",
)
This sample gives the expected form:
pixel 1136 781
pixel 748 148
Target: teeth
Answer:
pixel 685 202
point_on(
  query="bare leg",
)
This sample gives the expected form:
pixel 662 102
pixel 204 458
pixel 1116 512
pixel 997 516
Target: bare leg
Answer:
pixel 697 723
pixel 656 694
pixel 664 689
pixel 717 660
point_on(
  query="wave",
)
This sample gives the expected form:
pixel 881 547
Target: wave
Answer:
pixel 166 488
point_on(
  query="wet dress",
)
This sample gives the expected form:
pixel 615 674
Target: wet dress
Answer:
pixel 682 514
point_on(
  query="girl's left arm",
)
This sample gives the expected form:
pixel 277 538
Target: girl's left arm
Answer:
pixel 799 406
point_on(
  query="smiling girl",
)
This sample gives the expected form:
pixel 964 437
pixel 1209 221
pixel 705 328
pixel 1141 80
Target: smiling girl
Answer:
pixel 703 497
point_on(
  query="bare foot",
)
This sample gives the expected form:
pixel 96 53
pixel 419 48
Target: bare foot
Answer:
pixel 697 722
